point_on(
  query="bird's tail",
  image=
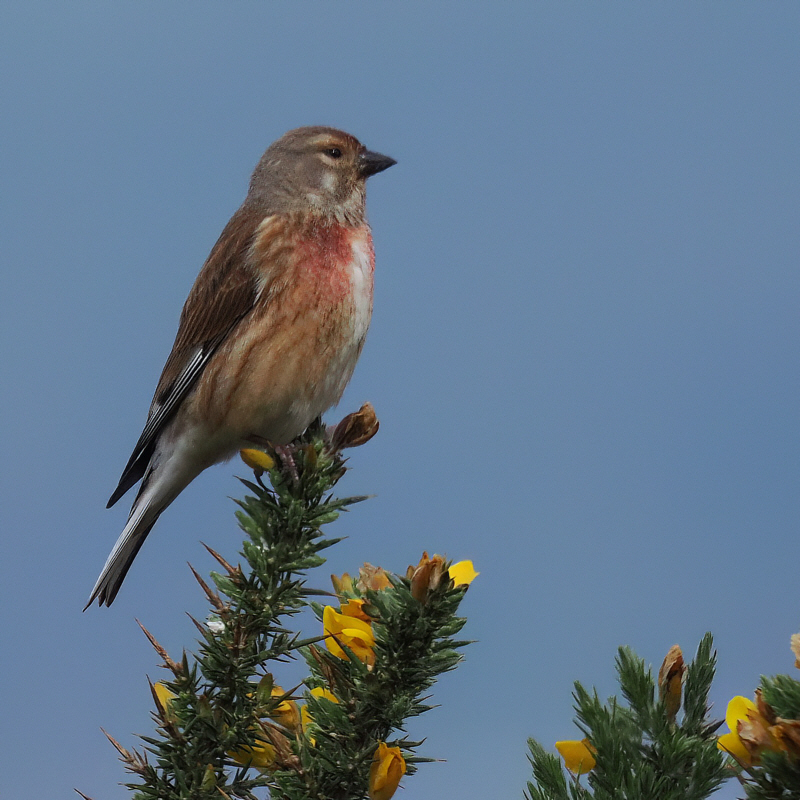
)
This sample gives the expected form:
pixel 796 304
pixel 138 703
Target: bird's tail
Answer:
pixel 143 516
pixel 169 472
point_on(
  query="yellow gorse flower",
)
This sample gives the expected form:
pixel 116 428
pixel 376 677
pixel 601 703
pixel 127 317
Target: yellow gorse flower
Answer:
pixel 318 691
pixel 164 695
pixel 355 608
pixel 738 709
pixel 462 573
pixel 388 767
pixel 261 755
pixel 578 755
pixel 286 712
pixel 753 729
pixel 344 629
pixel 305 716
pixel 257 460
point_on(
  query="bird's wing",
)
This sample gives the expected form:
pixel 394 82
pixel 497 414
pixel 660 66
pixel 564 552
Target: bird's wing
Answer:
pixel 225 291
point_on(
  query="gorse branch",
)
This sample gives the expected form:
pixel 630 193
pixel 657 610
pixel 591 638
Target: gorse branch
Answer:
pixel 225 728
pixel 647 750
pixel 644 749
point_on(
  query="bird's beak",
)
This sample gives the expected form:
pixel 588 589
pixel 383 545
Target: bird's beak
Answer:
pixel 370 163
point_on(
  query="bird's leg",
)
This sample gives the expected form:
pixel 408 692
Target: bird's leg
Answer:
pixel 286 454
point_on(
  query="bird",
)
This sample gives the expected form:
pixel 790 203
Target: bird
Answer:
pixel 271 330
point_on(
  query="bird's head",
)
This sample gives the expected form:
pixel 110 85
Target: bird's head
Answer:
pixel 316 168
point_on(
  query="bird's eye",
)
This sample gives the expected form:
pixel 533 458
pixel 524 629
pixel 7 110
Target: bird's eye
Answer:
pixel 333 152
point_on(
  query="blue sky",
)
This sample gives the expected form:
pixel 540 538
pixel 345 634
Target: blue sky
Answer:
pixel 583 353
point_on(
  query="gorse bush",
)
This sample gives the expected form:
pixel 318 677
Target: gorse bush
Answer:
pixel 227 727
pixel 661 744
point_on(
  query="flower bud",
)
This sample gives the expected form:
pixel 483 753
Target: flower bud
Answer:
pixel 356 428
pixel 426 576
pixel 670 680
pixel 344 585
pixel 374 578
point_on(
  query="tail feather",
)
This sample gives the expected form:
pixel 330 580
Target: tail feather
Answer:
pixel 172 467
pixel 143 517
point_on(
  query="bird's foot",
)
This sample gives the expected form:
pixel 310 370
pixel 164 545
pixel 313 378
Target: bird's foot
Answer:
pixel 286 454
pixel 283 452
pixel 353 430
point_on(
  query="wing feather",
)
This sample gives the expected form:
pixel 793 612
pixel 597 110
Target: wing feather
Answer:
pixel 225 291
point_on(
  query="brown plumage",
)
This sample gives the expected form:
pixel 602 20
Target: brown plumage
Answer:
pixel 271 330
